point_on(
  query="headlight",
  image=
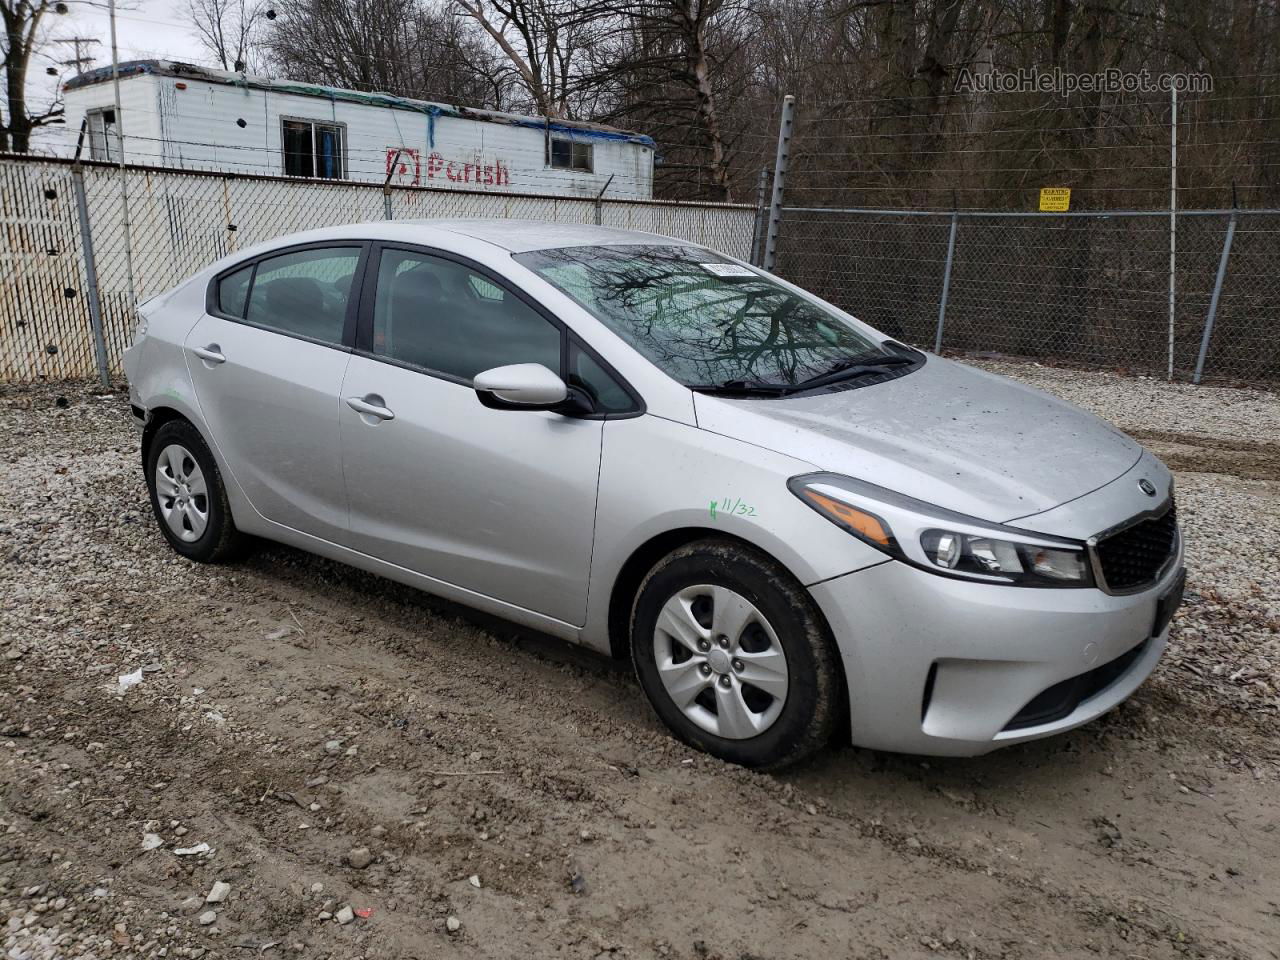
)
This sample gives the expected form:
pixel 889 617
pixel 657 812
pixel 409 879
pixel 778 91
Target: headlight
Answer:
pixel 943 541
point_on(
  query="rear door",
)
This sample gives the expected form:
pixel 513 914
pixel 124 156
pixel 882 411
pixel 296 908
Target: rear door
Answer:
pixel 267 360
pixel 499 502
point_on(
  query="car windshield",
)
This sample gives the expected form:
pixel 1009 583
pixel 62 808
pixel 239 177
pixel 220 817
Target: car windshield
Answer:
pixel 704 320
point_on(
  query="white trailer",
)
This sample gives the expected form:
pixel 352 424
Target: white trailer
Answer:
pixel 181 115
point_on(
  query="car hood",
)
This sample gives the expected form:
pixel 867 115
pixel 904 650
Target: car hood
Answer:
pixel 948 434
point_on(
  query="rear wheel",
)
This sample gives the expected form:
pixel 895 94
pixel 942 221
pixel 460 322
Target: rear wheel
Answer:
pixel 734 655
pixel 187 495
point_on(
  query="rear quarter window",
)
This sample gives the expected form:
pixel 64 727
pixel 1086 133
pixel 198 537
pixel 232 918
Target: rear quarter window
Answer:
pixel 233 292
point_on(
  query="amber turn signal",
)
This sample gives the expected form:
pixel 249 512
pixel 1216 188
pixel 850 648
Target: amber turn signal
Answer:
pixel 866 525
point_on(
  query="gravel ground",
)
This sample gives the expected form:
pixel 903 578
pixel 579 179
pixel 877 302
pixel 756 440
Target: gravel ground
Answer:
pixel 378 774
pixel 1224 446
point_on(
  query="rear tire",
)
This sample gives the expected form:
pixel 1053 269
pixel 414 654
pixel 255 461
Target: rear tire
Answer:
pixel 734 655
pixel 188 497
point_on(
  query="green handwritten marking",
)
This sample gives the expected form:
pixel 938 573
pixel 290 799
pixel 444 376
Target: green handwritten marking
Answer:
pixel 733 508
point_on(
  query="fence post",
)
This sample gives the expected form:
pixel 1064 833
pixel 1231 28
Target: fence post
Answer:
pixel 386 186
pixel 946 282
pixel 1217 292
pixel 91 275
pixel 779 181
pixel 757 226
pixel 600 201
pixel 1173 222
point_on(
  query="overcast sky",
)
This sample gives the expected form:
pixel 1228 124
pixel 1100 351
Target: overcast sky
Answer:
pixel 144 29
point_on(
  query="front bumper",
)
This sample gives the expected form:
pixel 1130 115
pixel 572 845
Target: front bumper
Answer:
pixel 942 667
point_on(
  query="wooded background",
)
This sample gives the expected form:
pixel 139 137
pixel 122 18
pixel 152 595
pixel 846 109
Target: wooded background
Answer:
pixel 880 121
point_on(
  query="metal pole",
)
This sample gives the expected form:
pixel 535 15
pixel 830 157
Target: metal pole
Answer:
pixel 600 201
pixel 124 178
pixel 1173 218
pixel 1213 301
pixel 91 275
pixel 946 282
pixel 757 226
pixel 386 187
pixel 779 181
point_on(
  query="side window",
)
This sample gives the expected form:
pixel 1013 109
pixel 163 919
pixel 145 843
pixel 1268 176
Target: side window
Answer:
pixel 564 154
pixel 313 149
pixel 233 292
pixel 443 316
pixel 103 134
pixel 586 374
pixel 304 293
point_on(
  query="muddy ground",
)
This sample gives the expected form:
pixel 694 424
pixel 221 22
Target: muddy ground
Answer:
pixel 515 797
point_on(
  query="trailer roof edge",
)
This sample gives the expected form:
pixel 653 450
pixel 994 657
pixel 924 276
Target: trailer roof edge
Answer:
pixel 190 71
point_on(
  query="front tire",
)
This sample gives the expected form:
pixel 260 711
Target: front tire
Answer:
pixel 187 495
pixel 734 655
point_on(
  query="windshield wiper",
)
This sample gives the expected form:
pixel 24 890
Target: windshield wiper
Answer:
pixel 851 369
pixel 741 388
pixel 847 369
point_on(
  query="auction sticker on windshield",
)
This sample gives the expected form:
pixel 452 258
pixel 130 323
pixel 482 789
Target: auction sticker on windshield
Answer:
pixel 727 270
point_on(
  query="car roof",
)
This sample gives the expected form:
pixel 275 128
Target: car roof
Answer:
pixel 513 236
pixel 521 236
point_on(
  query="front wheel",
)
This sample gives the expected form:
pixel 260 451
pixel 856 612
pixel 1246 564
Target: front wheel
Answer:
pixel 734 655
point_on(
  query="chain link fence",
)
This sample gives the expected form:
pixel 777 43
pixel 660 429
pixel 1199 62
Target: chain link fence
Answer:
pixel 1086 289
pixel 184 220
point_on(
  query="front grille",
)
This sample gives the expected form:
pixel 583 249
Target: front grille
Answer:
pixel 1136 555
pixel 1061 699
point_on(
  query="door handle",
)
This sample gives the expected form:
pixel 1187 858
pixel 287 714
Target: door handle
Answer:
pixel 212 354
pixel 370 405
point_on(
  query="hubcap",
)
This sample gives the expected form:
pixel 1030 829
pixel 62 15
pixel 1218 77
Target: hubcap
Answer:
pixel 720 661
pixel 182 493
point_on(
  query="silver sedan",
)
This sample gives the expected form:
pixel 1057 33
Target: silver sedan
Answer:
pixel 787 520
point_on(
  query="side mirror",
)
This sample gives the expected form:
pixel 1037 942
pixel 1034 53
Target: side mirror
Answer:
pixel 520 386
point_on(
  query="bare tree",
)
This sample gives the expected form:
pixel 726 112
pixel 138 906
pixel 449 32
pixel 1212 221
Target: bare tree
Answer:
pixel 228 30
pixel 544 41
pixel 671 64
pixel 411 49
pixel 23 36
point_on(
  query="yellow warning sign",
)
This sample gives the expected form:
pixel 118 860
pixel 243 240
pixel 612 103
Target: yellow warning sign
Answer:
pixel 1055 199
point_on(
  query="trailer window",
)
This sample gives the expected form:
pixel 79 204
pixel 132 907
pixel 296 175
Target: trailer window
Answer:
pixel 313 149
pixel 103 142
pixel 565 154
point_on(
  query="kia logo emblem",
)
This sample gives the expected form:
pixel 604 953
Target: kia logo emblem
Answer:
pixel 1147 487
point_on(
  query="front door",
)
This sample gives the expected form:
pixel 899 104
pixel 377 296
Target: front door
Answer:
pixel 499 502
pixel 267 364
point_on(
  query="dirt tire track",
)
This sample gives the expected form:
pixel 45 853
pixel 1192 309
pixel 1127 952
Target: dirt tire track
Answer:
pixel 1196 453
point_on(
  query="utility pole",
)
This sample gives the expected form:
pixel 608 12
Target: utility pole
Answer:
pixel 82 59
pixel 124 176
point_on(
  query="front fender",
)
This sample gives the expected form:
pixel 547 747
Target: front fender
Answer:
pixel 658 476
